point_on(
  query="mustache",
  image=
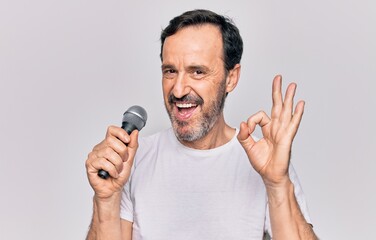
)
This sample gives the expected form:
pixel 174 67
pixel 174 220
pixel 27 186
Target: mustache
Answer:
pixel 186 98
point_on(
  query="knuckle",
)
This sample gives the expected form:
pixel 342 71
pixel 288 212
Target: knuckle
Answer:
pixel 109 131
pixel 108 141
pixel 89 160
pixel 111 128
pixel 90 156
pixel 87 163
pixel 98 146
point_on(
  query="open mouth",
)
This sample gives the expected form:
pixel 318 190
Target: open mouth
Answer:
pixel 184 107
pixel 185 110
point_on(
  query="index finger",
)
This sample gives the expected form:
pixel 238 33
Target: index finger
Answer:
pixel 119 133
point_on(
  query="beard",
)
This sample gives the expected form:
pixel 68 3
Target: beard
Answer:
pixel 198 127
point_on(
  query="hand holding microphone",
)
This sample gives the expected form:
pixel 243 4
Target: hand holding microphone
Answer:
pixel 114 155
pixel 134 118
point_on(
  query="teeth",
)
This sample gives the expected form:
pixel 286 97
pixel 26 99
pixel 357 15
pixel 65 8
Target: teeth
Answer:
pixel 185 105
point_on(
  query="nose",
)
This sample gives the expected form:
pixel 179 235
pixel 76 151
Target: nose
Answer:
pixel 181 86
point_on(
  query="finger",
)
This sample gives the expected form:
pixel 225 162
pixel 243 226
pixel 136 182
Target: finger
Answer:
pixel 102 163
pixel 119 133
pixel 113 142
pixel 244 136
pixel 260 118
pixel 277 97
pixel 297 117
pixel 244 132
pixel 111 156
pixel 288 103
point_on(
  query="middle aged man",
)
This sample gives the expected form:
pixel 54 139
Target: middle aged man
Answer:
pixel 201 179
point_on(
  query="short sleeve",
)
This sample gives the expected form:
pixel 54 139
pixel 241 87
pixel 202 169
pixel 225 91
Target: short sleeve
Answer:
pixel 299 197
pixel 126 205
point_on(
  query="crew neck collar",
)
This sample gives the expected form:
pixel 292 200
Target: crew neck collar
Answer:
pixel 202 152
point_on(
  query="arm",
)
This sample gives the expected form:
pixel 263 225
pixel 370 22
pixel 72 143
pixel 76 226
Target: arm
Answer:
pixel 270 157
pixel 115 154
pixel 106 222
pixel 287 221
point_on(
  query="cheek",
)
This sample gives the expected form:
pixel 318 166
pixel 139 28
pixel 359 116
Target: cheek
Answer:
pixel 166 89
pixel 206 91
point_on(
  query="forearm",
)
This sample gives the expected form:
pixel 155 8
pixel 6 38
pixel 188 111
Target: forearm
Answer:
pixel 287 220
pixel 106 222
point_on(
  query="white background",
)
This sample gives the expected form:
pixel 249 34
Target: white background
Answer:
pixel 68 69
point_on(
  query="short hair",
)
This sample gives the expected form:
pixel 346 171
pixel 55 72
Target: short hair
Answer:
pixel 231 39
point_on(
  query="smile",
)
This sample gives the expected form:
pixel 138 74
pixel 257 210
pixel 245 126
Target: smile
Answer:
pixel 186 105
pixel 184 111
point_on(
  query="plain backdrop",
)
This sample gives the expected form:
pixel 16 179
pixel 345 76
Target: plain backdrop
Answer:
pixel 68 69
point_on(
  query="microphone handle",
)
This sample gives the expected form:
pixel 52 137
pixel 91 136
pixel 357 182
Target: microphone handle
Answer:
pixel 128 127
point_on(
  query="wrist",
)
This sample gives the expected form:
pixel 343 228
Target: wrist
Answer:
pixel 280 193
pixel 107 209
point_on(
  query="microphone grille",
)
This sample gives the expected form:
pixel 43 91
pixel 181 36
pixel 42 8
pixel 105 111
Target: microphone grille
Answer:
pixel 136 115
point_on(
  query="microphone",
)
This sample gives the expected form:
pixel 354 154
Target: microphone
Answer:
pixel 134 118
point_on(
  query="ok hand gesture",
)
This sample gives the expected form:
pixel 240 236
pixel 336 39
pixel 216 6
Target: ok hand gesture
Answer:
pixel 270 156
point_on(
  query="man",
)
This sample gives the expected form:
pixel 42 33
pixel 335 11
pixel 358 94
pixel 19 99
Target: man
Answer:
pixel 202 179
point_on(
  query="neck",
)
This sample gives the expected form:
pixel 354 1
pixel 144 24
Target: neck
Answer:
pixel 220 134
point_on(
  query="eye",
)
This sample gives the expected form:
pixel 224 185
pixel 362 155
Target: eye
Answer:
pixel 169 72
pixel 198 73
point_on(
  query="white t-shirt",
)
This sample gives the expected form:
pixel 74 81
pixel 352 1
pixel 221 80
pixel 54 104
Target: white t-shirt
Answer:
pixel 180 193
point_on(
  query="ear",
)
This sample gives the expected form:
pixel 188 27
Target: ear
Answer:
pixel 233 78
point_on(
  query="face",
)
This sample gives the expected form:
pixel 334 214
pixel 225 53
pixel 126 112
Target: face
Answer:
pixel 194 80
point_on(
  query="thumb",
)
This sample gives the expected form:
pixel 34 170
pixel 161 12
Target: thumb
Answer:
pixel 133 143
pixel 132 149
pixel 244 136
pixel 132 146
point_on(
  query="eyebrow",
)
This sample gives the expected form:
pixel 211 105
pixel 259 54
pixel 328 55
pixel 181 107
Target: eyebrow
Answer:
pixel 190 68
pixel 198 67
pixel 167 66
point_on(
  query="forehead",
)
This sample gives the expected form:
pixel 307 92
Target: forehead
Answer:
pixel 194 43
